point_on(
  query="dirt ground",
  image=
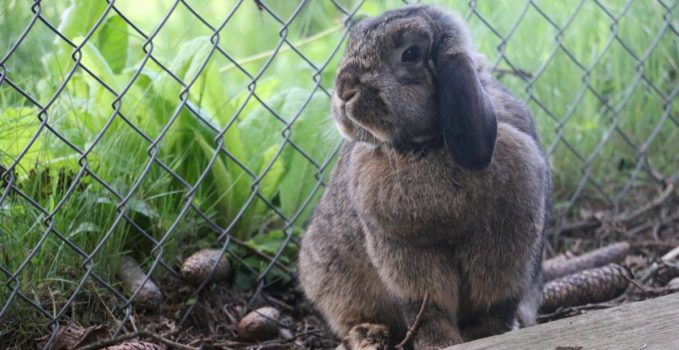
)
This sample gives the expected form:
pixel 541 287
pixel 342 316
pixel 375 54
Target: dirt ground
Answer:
pixel 651 229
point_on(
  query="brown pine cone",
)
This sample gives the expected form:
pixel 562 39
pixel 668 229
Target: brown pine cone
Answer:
pixel 136 345
pixel 259 325
pixel 149 296
pixel 198 266
pixel 588 286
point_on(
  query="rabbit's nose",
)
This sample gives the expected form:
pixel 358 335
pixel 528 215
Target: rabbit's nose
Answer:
pixel 347 95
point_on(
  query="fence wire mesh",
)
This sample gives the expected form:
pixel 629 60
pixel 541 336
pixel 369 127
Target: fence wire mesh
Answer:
pixel 154 131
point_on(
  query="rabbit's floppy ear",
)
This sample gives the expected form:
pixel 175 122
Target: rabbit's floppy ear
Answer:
pixel 467 115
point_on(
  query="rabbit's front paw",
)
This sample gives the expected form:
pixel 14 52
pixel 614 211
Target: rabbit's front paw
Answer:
pixel 366 336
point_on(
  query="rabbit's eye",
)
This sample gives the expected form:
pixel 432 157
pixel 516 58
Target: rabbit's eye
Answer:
pixel 411 55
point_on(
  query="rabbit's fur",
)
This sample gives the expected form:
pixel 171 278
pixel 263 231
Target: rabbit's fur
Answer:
pixel 441 189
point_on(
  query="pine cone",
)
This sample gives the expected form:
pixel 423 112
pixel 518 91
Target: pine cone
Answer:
pixel 198 266
pixel 149 296
pixel 258 325
pixel 589 286
pixel 136 345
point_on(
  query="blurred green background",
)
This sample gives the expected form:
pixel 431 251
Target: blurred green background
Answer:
pixel 599 76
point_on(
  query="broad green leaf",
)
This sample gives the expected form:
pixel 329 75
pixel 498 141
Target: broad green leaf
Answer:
pixel 202 47
pixel 244 280
pixel 140 206
pixel 190 51
pixel 133 204
pixel 260 130
pixel 210 94
pixel 270 181
pixel 234 142
pixel 235 145
pixel 147 102
pixel 268 243
pixel 79 18
pixel 269 184
pixel 112 42
pixel 265 89
pixel 78 90
pixel 220 175
pixel 97 64
pixel 307 133
pixel 206 117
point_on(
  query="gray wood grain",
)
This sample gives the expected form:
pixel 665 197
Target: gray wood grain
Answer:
pixel 649 324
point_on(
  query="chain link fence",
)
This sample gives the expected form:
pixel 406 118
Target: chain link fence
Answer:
pixel 154 131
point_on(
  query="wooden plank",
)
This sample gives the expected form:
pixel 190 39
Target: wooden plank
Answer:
pixel 649 324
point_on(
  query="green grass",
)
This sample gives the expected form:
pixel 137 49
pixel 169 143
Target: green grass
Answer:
pixel 115 52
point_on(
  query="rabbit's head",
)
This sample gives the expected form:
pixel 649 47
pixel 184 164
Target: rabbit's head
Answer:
pixel 408 78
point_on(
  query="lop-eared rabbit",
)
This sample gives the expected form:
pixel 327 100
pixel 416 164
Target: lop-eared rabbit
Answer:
pixel 441 190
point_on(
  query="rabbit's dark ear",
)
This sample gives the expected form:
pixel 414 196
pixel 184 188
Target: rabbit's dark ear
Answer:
pixel 468 117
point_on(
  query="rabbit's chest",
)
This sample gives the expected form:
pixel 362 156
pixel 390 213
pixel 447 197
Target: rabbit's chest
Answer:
pixel 404 191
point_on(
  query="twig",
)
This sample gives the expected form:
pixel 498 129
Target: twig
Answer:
pixel 664 245
pixel 623 217
pixel 580 225
pixel 636 284
pixel 655 292
pixel 416 324
pixel 276 345
pixel 671 255
pixel 649 272
pixel 665 222
pixel 654 203
pixel 139 334
pixel 273 344
pixel 518 72
pixel 268 54
pixel 277 302
pixel 565 311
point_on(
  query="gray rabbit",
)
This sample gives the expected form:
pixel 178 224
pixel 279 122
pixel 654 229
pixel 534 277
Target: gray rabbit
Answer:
pixel 441 189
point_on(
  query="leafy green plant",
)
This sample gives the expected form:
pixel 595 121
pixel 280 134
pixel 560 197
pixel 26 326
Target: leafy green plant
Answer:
pixel 251 160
